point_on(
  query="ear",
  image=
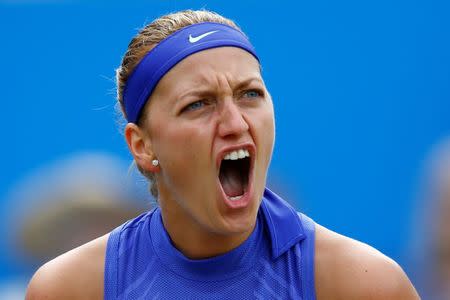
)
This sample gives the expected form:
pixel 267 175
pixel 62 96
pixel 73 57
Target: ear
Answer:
pixel 140 147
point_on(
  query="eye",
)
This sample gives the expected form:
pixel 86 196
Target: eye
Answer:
pixel 194 105
pixel 252 94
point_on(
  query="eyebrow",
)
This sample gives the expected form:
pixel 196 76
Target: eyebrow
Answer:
pixel 247 82
pixel 204 91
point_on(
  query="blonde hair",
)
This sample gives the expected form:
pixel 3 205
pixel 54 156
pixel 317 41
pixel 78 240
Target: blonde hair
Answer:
pixel 147 38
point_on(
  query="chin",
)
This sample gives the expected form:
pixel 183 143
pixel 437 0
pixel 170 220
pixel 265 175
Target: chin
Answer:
pixel 242 220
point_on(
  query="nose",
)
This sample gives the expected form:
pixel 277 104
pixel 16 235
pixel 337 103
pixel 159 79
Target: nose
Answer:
pixel 231 122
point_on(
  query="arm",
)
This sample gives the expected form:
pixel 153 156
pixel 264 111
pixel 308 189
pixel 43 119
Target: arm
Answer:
pixel 375 276
pixel 49 282
pixel 348 269
pixel 77 274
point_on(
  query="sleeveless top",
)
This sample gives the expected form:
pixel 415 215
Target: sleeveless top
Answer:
pixel 275 262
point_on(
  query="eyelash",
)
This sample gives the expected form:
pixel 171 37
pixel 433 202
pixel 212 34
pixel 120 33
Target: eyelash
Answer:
pixel 256 91
pixel 190 106
pixel 194 105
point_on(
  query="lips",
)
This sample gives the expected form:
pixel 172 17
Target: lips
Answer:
pixel 235 175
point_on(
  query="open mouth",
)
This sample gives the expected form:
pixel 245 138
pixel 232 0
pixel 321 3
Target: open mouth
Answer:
pixel 234 173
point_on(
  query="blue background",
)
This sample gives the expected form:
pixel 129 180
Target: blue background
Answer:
pixel 361 92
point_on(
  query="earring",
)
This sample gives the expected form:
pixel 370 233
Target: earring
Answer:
pixel 155 162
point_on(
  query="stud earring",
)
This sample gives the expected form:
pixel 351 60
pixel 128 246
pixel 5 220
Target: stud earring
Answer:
pixel 155 162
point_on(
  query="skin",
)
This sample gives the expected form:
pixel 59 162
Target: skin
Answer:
pixel 237 111
pixel 438 271
pixel 234 109
pixel 348 269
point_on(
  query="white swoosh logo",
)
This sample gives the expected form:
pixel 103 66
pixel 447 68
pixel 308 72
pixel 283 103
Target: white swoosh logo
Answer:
pixel 198 38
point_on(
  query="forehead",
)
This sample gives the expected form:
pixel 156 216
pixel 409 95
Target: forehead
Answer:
pixel 203 67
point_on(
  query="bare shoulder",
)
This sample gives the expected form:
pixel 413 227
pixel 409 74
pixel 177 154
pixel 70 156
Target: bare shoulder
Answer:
pixel 77 274
pixel 348 269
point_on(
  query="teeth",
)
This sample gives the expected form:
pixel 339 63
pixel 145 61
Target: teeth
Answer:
pixel 237 154
pixel 234 155
pixel 235 198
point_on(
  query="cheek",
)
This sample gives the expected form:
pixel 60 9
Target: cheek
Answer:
pixel 183 150
pixel 265 128
pixel 262 131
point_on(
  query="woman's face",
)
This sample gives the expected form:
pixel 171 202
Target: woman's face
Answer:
pixel 210 123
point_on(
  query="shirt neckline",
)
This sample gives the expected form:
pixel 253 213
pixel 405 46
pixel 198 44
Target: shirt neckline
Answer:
pixel 218 268
pixel 277 222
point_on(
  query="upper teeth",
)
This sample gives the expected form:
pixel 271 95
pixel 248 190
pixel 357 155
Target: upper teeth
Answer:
pixel 237 154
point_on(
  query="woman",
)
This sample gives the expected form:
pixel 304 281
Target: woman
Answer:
pixel 201 128
pixel 429 253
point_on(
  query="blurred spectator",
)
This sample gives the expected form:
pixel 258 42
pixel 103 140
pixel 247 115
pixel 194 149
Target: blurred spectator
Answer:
pixel 430 255
pixel 66 204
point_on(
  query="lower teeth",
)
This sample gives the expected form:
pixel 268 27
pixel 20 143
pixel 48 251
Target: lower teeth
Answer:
pixel 235 198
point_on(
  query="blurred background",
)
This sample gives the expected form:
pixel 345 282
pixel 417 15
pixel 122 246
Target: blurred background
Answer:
pixel 361 92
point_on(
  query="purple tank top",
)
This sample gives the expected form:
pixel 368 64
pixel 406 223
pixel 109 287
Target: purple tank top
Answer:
pixel 275 262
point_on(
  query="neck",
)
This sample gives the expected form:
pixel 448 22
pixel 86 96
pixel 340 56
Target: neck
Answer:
pixel 195 241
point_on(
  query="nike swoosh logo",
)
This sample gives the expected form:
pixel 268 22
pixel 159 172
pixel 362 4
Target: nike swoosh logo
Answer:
pixel 198 38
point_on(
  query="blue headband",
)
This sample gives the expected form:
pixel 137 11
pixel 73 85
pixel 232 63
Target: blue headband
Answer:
pixel 166 54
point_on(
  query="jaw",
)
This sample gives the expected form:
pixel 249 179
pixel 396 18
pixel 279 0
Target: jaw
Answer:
pixel 203 203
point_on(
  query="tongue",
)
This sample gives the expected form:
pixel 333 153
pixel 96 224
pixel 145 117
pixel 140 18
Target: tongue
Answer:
pixel 231 182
